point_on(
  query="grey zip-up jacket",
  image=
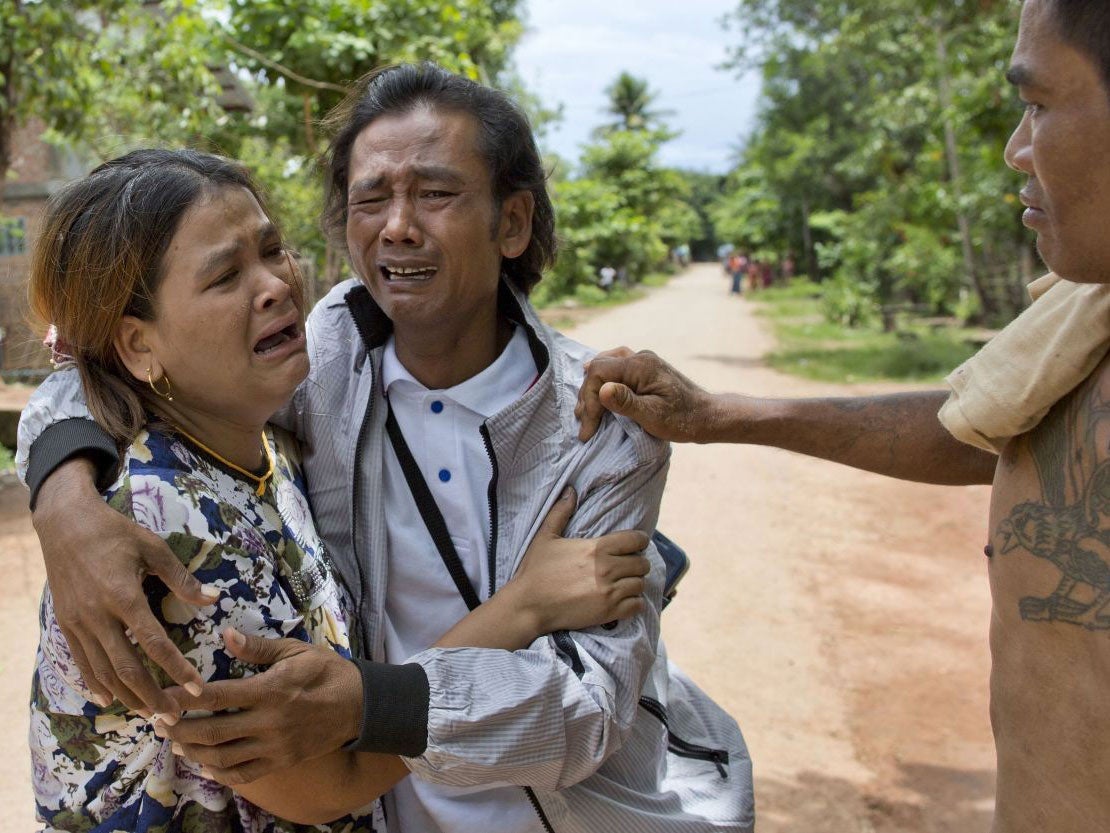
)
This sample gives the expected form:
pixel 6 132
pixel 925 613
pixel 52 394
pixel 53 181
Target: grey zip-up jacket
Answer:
pixel 601 729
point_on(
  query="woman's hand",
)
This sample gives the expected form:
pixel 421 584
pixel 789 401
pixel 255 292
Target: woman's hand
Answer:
pixel 96 560
pixel 576 583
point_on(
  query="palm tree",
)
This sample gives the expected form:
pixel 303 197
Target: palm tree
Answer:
pixel 630 101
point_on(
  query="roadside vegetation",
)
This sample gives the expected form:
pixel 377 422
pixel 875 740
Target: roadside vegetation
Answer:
pixel 877 156
pixel 809 345
pixel 874 167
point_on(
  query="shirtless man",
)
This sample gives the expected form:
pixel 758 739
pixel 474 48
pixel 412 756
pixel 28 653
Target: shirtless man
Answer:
pixel 1049 543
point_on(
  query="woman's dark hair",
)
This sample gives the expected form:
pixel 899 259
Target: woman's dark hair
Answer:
pixel 1085 24
pixel 505 142
pixel 100 256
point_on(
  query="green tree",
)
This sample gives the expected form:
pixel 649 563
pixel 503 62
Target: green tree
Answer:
pixel 630 103
pixel 113 74
pixel 91 67
pixel 878 152
pixel 40 45
pixel 311 49
pixel 624 210
pixel 704 191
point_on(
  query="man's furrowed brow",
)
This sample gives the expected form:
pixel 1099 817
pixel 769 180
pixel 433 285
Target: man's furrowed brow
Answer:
pixel 267 229
pixel 440 173
pixel 364 185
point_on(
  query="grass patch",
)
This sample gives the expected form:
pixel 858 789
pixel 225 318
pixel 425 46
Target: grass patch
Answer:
pixel 7 459
pixel 593 296
pixel 812 347
pixel 799 288
pixel 657 279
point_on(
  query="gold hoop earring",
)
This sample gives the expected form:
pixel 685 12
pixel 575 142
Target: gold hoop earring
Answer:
pixel 168 393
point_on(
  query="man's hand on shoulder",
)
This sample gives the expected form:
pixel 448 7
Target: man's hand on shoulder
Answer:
pixel 647 390
pixel 96 560
pixel 309 703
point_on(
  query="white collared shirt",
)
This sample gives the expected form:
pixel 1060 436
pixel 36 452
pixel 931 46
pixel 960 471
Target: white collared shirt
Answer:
pixel 441 429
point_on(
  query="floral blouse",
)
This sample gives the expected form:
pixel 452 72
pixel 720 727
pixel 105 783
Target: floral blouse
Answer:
pixel 105 770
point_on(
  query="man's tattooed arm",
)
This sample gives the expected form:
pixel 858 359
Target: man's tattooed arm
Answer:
pixel 897 435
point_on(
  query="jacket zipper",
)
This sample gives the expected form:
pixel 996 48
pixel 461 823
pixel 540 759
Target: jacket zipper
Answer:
pixel 539 810
pixel 355 497
pixel 683 748
pixel 491 496
pixel 368 650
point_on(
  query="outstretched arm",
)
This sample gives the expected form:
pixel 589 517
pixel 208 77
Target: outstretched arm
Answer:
pixel 897 435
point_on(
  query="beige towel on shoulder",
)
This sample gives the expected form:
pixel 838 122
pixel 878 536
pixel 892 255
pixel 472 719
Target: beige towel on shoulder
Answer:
pixel 1006 388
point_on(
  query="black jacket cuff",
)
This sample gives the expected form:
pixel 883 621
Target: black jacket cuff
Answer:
pixel 394 709
pixel 77 437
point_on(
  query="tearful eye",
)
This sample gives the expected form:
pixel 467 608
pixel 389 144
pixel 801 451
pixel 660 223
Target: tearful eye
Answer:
pixel 224 279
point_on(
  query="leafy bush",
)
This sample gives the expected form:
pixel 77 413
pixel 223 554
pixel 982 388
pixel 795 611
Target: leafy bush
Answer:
pixel 847 302
pixel 589 295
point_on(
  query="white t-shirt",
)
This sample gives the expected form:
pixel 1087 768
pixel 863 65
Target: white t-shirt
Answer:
pixel 441 429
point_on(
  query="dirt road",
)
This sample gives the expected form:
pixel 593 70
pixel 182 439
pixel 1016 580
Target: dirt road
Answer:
pixel 841 617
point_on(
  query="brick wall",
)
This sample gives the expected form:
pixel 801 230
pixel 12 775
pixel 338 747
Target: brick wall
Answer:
pixel 33 160
pixel 37 169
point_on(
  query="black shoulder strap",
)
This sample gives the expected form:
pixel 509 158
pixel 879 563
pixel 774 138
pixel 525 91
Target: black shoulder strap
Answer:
pixel 429 511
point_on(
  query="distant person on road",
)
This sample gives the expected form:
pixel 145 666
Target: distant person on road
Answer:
pixel 606 276
pixel 723 252
pixel 755 275
pixel 737 268
pixel 1030 414
pixel 789 266
pixel 768 275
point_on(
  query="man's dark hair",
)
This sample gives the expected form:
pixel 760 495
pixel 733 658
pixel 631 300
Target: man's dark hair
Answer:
pixel 505 142
pixel 1085 24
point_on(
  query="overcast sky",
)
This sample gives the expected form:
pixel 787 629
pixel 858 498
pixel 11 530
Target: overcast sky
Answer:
pixel 573 49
